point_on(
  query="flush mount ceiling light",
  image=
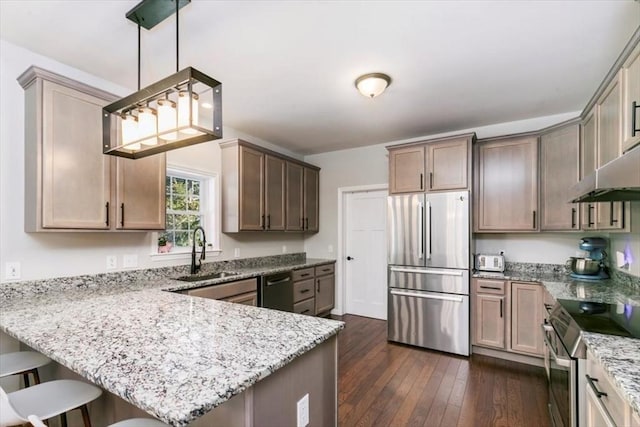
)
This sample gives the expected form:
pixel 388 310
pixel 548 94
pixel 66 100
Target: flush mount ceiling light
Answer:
pixel 182 109
pixel 373 84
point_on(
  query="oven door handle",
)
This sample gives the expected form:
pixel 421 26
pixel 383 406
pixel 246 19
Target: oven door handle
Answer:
pixel 560 361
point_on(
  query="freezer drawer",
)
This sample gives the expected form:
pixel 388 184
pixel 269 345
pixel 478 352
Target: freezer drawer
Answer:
pixel 428 319
pixel 430 279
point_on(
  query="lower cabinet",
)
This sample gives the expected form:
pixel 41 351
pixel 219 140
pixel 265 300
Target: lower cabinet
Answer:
pixel 325 288
pixel 314 289
pixel 507 316
pixel 240 292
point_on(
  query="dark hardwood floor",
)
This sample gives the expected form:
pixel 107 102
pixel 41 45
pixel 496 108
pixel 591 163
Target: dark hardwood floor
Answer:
pixel 387 384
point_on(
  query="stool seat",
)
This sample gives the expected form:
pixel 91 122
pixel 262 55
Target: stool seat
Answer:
pixel 139 422
pixel 21 361
pixel 46 400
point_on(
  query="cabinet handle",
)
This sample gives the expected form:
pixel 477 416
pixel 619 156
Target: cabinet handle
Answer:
pixel 106 207
pixel 318 285
pixel 592 382
pixel 304 275
pixel 421 182
pixel 573 217
pixel 304 291
pixel 262 222
pixel 495 288
pixel 268 222
pixel 304 311
pixel 534 219
pixel 589 222
pixel 611 220
pixel 430 180
pixel 122 215
pixel 634 129
pixel 501 308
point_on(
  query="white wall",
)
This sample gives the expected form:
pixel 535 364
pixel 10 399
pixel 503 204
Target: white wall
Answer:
pixel 630 241
pixel 44 255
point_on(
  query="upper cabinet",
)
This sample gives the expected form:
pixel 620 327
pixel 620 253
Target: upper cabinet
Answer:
pixel 265 191
pixel 630 79
pixel 609 113
pixel 506 196
pixel 435 165
pixel 559 171
pixel 69 183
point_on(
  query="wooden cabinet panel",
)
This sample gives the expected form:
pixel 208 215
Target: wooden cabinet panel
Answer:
pixel 447 165
pixel 311 199
pixel 303 274
pixel 250 298
pixel 526 316
pixel 303 290
pixel 588 164
pixel 610 406
pixel 274 193
pixel 140 197
pixel 610 215
pixel 305 307
pixel 507 177
pixel 489 321
pixel 630 75
pixel 406 169
pixel 559 171
pixel 609 123
pixel 225 290
pixel 324 293
pixel 251 181
pixel 294 197
pixel 487 286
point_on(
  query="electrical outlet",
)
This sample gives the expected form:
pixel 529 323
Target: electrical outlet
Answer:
pixel 112 262
pixel 284 249
pixel 130 261
pixel 12 270
pixel 236 252
pixel 330 249
pixel 303 411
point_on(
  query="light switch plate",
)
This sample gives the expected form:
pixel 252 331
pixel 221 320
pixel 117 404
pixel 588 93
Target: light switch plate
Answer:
pixel 130 261
pixel 12 270
pixel 112 262
pixel 236 252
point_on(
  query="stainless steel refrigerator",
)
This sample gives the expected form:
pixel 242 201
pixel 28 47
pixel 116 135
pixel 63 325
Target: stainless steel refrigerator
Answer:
pixel 428 270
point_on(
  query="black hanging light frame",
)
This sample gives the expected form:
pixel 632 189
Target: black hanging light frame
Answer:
pixel 188 91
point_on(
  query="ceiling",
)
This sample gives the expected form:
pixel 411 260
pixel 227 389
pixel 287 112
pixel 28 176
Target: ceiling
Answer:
pixel 288 67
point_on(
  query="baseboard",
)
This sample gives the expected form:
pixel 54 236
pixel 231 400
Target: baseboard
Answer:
pixel 514 357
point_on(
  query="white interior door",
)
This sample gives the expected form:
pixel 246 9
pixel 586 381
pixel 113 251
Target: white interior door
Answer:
pixel 366 254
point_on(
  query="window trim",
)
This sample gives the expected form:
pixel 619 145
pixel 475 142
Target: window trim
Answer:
pixel 212 220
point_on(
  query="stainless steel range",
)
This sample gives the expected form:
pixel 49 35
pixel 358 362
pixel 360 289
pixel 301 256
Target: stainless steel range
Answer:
pixel 565 356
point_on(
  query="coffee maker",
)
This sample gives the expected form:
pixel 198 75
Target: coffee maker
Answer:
pixel 592 267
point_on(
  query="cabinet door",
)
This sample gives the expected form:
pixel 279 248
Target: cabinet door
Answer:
pixel 250 298
pixel 406 169
pixel 324 293
pixel 274 190
pixel 251 177
pixel 609 123
pixel 75 174
pixel 311 199
pixel 489 321
pixel 507 198
pixel 140 195
pixel 526 318
pixel 588 164
pixel 630 75
pixel 294 197
pixel 559 161
pixel 447 165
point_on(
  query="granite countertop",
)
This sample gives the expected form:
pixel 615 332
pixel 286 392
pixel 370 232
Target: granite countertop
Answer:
pixel 177 357
pixel 619 356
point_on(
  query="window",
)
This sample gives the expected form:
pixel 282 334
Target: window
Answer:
pixel 191 201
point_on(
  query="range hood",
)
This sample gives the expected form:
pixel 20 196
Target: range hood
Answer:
pixel 616 181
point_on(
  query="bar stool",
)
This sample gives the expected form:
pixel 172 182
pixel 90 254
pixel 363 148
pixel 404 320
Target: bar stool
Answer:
pixel 47 400
pixel 22 363
pixel 133 422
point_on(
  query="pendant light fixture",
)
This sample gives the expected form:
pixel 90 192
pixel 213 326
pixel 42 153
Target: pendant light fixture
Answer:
pixel 373 84
pixel 167 114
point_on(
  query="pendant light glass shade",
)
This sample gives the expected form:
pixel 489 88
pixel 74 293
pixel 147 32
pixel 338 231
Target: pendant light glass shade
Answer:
pixel 184 113
pixel 372 85
pixel 130 131
pixel 147 125
pixel 167 119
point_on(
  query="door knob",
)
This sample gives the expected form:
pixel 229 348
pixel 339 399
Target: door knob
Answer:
pixel 349 258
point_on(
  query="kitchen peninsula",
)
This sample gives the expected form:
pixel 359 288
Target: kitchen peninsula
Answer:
pixel 178 357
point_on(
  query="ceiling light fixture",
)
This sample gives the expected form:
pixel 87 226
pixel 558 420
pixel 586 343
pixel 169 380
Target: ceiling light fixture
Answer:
pixel 165 115
pixel 373 84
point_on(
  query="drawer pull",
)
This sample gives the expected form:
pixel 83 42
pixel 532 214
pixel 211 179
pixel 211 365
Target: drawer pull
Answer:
pixel 592 382
pixel 495 288
pixel 304 291
pixel 501 309
pixel 304 275
pixel 304 311
pixel 326 269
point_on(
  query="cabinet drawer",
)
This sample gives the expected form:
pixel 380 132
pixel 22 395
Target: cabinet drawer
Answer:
pixel 250 298
pixel 323 270
pixel 305 273
pixel 303 290
pixel 613 402
pixel 488 286
pixel 305 307
pixel 225 290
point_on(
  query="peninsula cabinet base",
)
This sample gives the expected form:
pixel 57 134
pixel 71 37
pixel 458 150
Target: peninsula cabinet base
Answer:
pixel 505 355
pixel 270 402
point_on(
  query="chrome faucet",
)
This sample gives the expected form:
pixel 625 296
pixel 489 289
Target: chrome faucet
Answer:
pixel 195 267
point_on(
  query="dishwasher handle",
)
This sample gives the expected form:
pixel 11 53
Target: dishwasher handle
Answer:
pixel 277 282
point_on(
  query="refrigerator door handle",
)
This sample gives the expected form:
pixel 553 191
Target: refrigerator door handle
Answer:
pixel 428 230
pixel 420 229
pixel 427 296
pixel 427 271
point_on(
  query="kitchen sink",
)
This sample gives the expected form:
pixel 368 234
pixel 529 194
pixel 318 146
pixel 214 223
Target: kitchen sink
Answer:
pixel 198 278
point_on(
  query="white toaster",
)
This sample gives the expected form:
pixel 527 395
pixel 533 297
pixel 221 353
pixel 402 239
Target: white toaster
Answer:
pixel 490 263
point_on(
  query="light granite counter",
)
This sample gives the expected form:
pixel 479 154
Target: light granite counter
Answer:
pixel 177 357
pixel 619 356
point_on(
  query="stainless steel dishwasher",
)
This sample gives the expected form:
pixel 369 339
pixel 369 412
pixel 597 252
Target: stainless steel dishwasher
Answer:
pixel 276 291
